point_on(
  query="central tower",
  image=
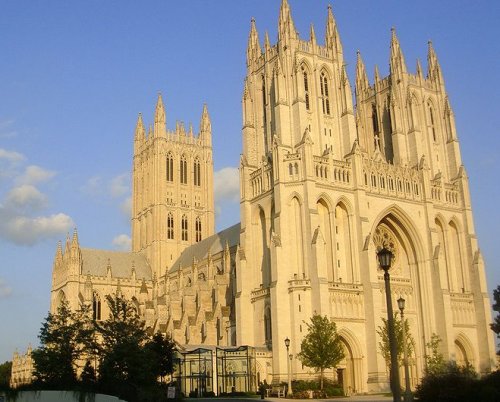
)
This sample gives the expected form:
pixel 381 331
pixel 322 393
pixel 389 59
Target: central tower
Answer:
pixel 173 199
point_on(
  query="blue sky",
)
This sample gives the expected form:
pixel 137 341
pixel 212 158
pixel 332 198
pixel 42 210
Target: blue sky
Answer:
pixel 74 76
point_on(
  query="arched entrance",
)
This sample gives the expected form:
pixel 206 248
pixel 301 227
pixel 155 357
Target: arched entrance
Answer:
pixel 349 370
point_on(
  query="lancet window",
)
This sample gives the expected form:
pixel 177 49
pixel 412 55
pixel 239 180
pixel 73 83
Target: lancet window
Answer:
pixel 198 229
pixel 170 167
pixel 184 228
pixel 170 226
pixel 325 98
pixel 306 88
pixel 197 172
pixel 183 166
pixel 96 307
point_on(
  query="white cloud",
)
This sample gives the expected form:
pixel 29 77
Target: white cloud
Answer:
pixel 93 186
pixel 122 242
pixel 35 174
pixel 11 156
pixel 24 230
pixel 25 196
pixel 5 290
pixel 227 184
pixel 119 185
pixel 126 207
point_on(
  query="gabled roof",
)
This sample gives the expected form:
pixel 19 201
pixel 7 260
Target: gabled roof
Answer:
pixel 96 262
pixel 213 244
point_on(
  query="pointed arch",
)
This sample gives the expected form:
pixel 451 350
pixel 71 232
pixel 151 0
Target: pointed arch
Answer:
pixel 306 80
pixel 197 171
pixel 198 229
pixel 96 306
pixel 325 222
pixel 169 167
pixel 296 237
pixel 325 87
pixel 344 256
pixel 183 169
pixel 351 365
pixel 458 274
pixel 464 352
pixel 184 228
pixel 170 226
pixel 443 250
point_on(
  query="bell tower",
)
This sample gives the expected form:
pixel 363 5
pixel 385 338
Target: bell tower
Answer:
pixel 173 201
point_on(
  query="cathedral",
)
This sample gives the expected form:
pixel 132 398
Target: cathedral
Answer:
pixel 325 182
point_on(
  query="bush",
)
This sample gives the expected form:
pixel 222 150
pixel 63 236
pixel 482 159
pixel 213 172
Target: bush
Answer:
pixel 451 383
pixel 301 389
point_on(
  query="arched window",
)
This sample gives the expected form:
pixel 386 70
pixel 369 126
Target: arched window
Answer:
pixel 170 167
pixel 197 172
pixel 306 88
pixel 96 307
pixel 170 226
pixel 183 166
pixel 431 122
pixel 198 229
pixel 375 119
pixel 325 98
pixel 184 228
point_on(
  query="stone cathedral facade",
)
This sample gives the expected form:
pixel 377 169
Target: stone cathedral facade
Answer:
pixel 325 182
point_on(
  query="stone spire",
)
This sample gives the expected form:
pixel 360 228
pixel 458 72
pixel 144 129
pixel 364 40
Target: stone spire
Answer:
pixel 312 35
pixel 140 132
pixel 332 36
pixel 286 27
pixel 362 83
pixel 59 253
pixel 160 127
pixel 433 67
pixel 253 49
pixel 267 43
pixel 397 63
pixel 419 69
pixel 206 126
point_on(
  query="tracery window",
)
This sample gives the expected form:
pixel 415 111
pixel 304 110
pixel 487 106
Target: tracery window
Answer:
pixel 170 226
pixel 306 88
pixel 184 228
pixel 170 167
pixel 198 229
pixel 96 307
pixel 431 121
pixel 325 98
pixel 183 166
pixel 197 172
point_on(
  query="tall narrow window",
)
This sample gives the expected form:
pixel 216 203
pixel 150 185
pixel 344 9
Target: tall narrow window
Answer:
pixel 96 307
pixel 183 166
pixel 306 88
pixel 198 229
pixel 197 172
pixel 170 226
pixel 184 228
pixel 325 98
pixel 375 120
pixel 170 167
pixel 431 121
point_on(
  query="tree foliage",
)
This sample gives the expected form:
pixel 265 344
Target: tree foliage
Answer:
pixel 495 325
pixel 434 360
pixel 63 344
pixel 321 348
pixel 385 349
pixel 116 356
pixel 5 371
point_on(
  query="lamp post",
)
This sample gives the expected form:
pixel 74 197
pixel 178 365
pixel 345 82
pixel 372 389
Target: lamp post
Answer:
pixel 408 396
pixel 384 257
pixel 288 361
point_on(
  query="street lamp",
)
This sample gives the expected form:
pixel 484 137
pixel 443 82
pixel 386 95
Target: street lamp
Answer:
pixel 288 361
pixel 408 396
pixel 384 257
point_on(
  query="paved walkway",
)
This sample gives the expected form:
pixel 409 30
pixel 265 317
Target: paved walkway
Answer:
pixel 354 398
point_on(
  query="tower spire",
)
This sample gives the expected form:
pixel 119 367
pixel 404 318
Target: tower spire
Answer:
pixel 312 35
pixel 397 63
pixel 206 126
pixel 253 49
pixel 433 67
pixel 332 36
pixel 160 127
pixel 362 82
pixel 286 27
pixel 139 131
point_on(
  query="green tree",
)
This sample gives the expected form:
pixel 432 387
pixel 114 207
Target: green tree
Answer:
pixel 124 366
pixel 62 347
pixel 385 349
pixel 321 348
pixel 160 349
pixel 495 325
pixel 435 362
pixel 5 371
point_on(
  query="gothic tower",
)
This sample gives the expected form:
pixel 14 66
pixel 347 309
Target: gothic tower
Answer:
pixel 173 201
pixel 325 185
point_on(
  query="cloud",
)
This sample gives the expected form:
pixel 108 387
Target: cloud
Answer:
pixel 6 130
pixel 227 184
pixel 122 242
pixel 93 186
pixel 11 156
pixel 35 174
pixel 24 230
pixel 119 185
pixel 126 207
pixel 25 197
pixel 5 290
